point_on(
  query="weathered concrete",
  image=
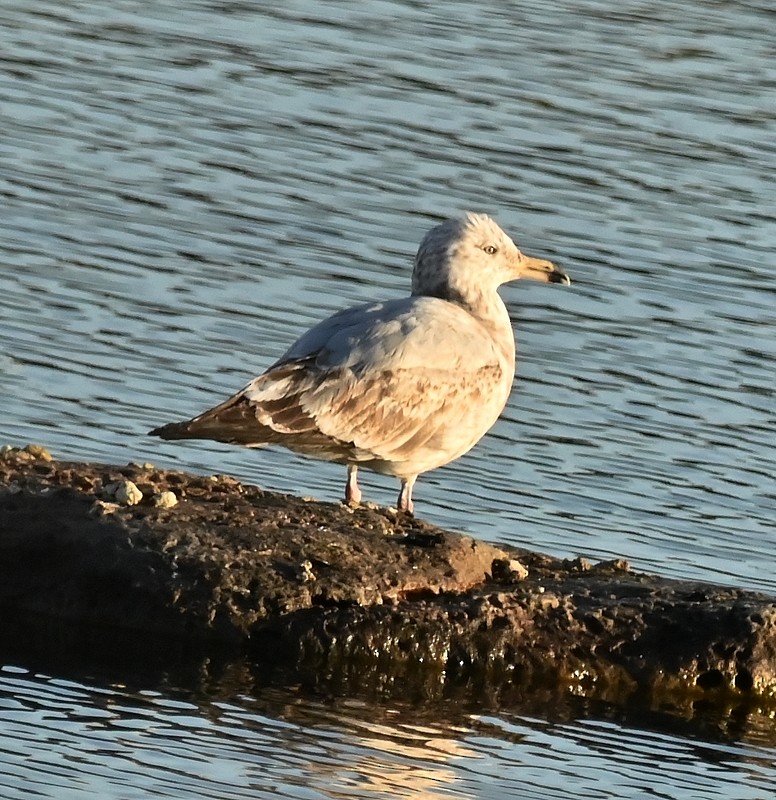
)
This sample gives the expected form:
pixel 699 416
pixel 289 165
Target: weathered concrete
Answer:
pixel 360 597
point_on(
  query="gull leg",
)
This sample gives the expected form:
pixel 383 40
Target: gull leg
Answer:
pixel 352 492
pixel 405 495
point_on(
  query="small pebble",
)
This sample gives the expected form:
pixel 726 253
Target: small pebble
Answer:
pixel 38 451
pixel 517 569
pixel 124 492
pixel 165 499
pixel 615 564
pixel 102 509
pixel 146 466
pixel 307 575
pixel 509 569
pixel 128 493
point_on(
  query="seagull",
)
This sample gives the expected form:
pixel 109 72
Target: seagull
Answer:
pixel 398 387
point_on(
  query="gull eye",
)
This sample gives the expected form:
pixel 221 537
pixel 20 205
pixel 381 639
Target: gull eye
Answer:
pixel 490 249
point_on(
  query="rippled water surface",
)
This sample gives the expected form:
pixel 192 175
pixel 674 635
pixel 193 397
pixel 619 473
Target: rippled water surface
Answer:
pixel 186 187
pixel 63 738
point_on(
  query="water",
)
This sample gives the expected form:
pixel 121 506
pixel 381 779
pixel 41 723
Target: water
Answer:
pixel 63 738
pixel 186 187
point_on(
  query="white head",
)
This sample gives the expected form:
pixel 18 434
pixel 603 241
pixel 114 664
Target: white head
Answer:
pixel 465 260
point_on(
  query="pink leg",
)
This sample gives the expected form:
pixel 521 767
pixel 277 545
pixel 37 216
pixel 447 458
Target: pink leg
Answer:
pixel 405 495
pixel 352 492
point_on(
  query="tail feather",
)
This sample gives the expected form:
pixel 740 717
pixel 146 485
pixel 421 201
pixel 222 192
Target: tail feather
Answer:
pixel 272 409
pixel 172 430
pixel 234 422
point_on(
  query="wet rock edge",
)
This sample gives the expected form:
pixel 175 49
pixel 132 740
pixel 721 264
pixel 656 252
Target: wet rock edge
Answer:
pixel 360 596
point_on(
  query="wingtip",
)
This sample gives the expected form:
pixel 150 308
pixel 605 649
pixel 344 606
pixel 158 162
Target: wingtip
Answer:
pixel 165 431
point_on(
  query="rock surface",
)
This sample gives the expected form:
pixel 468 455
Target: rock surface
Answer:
pixel 360 597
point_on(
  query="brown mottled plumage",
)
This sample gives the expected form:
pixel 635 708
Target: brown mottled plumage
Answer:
pixel 399 387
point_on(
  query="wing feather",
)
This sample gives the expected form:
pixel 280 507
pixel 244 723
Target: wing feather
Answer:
pixel 402 387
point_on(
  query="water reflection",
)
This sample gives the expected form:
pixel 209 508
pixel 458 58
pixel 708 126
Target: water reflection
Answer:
pixel 229 738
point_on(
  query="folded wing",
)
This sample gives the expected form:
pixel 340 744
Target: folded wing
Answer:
pixel 403 387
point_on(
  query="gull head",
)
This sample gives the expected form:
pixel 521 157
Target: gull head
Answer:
pixel 470 256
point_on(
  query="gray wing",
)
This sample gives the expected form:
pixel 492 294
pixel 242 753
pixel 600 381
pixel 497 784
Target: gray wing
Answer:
pixel 413 380
pixel 413 332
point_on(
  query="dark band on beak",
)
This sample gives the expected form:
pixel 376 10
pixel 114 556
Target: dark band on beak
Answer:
pixel 556 276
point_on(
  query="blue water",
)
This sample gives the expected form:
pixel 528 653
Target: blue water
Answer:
pixel 186 187
pixel 63 739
